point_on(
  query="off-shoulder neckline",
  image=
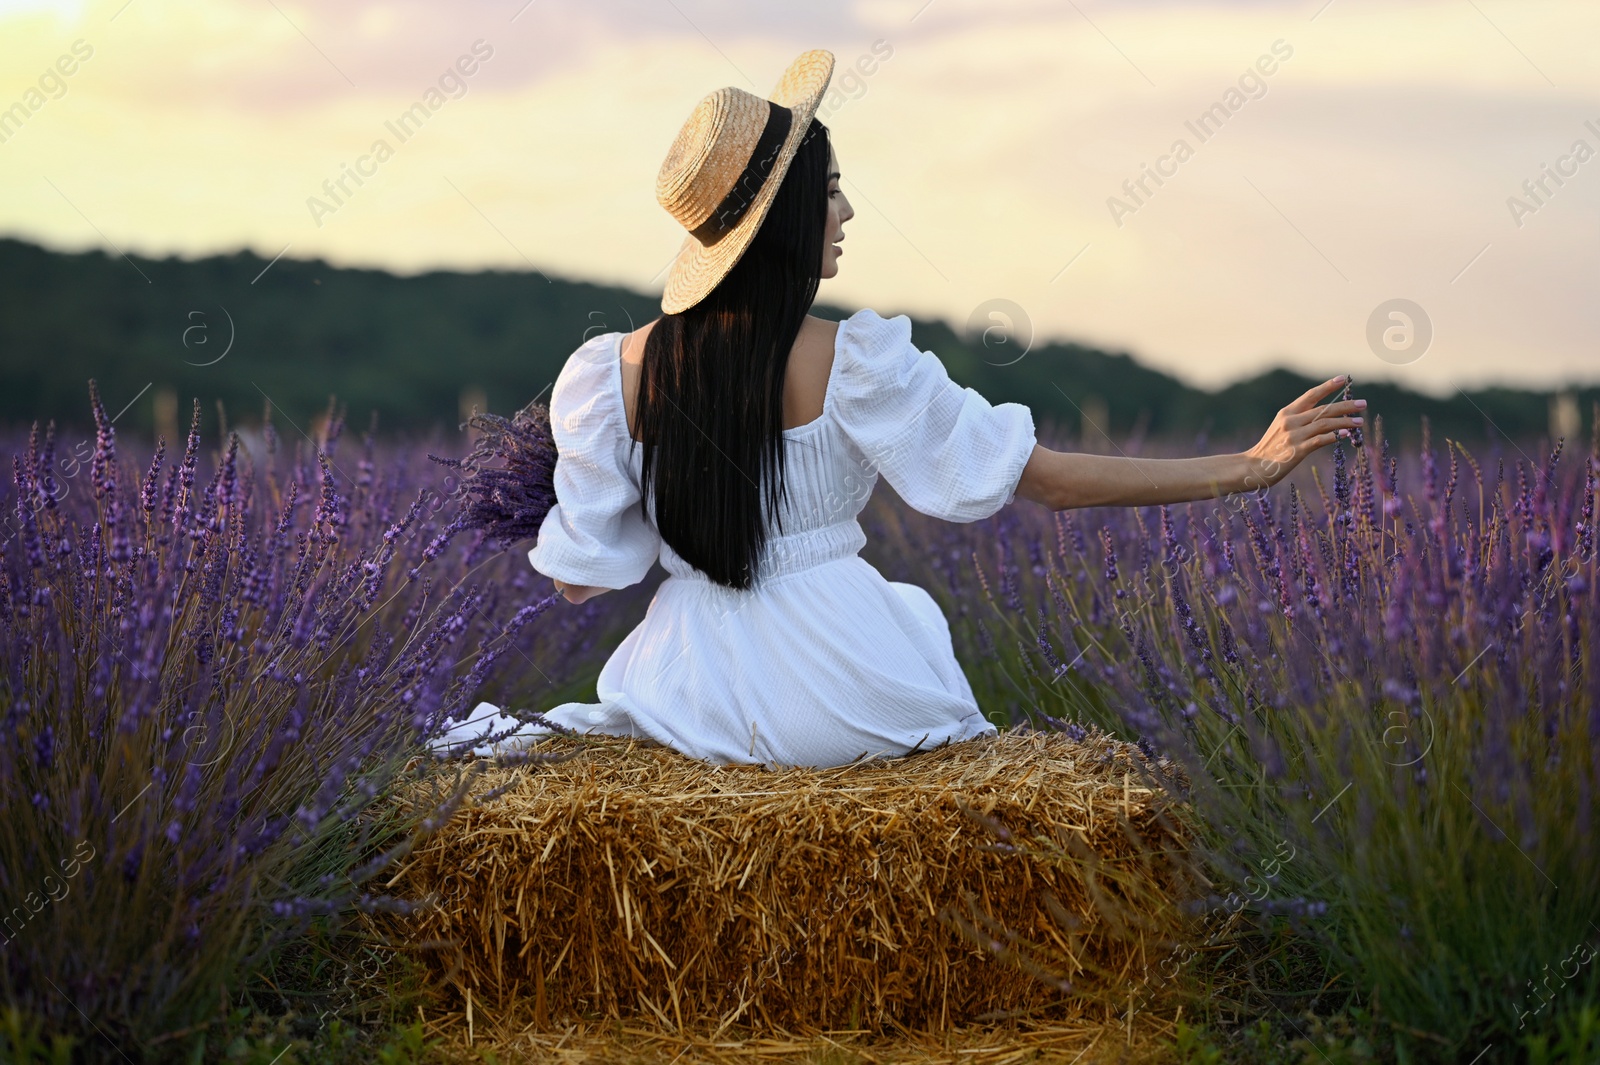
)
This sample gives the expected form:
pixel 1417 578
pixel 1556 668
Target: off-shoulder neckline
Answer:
pixel 804 427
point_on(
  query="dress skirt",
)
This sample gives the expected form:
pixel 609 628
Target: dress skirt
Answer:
pixel 779 677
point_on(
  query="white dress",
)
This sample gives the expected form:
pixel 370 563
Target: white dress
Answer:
pixel 823 661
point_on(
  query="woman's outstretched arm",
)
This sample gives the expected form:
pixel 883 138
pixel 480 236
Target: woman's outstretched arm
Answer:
pixel 1061 480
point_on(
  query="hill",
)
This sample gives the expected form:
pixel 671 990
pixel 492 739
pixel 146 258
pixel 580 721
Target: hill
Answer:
pixel 238 330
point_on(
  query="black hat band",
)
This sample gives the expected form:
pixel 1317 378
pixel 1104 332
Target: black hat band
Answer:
pixel 744 191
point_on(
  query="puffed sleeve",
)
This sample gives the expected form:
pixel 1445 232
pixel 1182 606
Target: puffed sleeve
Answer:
pixel 944 448
pixel 596 533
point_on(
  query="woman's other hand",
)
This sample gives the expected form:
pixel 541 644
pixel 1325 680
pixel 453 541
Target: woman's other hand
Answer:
pixel 1300 428
pixel 577 593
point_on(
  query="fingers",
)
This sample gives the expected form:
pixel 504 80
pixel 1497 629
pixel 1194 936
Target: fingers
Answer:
pixel 1323 424
pixel 1324 439
pixel 1324 435
pixel 1317 392
pixel 1344 406
pixel 1333 414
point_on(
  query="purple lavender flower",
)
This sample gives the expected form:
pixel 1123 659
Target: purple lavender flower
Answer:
pixel 191 656
pixel 507 481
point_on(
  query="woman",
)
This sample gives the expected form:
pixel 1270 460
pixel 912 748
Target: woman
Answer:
pixel 737 437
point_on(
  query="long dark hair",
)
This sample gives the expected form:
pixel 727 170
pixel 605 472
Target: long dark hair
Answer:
pixel 710 405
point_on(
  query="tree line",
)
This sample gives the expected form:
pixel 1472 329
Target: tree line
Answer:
pixel 416 353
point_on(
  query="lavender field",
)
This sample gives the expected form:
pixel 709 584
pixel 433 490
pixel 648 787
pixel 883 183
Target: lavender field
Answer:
pixel 1381 688
pixel 1376 685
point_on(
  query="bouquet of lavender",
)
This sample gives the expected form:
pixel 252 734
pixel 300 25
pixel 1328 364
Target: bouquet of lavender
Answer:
pixel 507 482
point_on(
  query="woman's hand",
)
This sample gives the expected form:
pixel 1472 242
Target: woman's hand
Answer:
pixel 1301 428
pixel 577 593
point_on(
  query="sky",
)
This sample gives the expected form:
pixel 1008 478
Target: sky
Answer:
pixel 1036 167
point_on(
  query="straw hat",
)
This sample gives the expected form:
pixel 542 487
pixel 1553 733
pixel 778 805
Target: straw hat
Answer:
pixel 724 169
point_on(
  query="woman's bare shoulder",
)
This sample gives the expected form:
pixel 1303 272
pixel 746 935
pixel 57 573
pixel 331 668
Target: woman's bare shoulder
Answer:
pixel 826 328
pixel 633 343
pixel 815 344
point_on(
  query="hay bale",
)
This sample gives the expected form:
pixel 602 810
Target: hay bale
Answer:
pixel 631 880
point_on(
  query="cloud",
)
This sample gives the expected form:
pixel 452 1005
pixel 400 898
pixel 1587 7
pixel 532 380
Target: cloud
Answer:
pixel 979 158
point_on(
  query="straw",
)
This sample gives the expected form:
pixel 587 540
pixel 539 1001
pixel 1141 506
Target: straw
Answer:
pixel 632 882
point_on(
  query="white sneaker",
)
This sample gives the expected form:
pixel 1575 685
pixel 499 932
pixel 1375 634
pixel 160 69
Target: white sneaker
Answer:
pixel 485 719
